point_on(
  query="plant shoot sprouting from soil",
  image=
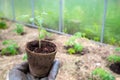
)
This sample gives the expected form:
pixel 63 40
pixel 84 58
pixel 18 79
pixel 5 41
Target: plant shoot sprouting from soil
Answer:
pixel 73 45
pixel 19 29
pixel 42 33
pixel 39 30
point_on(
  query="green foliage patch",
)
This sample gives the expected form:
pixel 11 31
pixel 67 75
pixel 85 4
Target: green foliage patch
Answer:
pixel 3 25
pixel 113 58
pixel 42 33
pixel 117 49
pixel 102 74
pixel 75 47
pixel 10 47
pixel 19 29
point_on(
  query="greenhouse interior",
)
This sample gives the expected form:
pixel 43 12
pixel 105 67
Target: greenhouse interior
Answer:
pixel 59 39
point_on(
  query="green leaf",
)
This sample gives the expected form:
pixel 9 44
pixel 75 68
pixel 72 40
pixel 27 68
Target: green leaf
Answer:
pixel 73 38
pixel 4 51
pixel 71 41
pixel 3 25
pixel 78 47
pixel 113 58
pixel 117 49
pixel 96 38
pixel 39 21
pixel 83 34
pixel 10 47
pixel 19 29
pixel 25 57
pixel 103 74
pixel 78 34
pixel 112 40
pixel 42 34
pixel 5 42
pixel 71 51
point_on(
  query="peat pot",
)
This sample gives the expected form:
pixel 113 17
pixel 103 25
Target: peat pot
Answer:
pixel 40 59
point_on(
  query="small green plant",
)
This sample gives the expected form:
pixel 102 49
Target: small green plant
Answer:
pixel 75 47
pixel 42 33
pixel 102 74
pixel 3 25
pixel 113 58
pixel 71 41
pixel 25 57
pixel 83 34
pixel 112 40
pixel 78 34
pixel 10 48
pixel 19 29
pixel 41 30
pixel 73 38
pixel 117 49
pixel 96 38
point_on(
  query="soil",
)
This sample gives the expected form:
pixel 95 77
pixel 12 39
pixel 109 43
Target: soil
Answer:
pixel 115 67
pixel 46 47
pixel 23 33
pixel 73 67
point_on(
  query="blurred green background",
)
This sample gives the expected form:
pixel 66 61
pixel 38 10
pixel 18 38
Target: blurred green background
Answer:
pixel 83 16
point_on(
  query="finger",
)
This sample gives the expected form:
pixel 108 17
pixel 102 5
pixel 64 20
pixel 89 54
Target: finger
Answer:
pixel 46 78
pixel 54 70
pixel 16 75
pixel 31 77
pixel 23 67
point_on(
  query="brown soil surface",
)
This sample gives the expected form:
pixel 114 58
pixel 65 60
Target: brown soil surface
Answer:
pixel 73 67
pixel 115 67
pixel 45 47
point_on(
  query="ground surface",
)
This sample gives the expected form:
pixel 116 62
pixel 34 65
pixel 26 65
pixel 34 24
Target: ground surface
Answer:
pixel 73 67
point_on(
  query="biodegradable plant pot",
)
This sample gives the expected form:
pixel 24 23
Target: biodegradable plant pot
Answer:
pixel 40 59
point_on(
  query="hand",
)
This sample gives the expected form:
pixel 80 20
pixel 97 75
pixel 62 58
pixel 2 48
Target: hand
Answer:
pixel 21 72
